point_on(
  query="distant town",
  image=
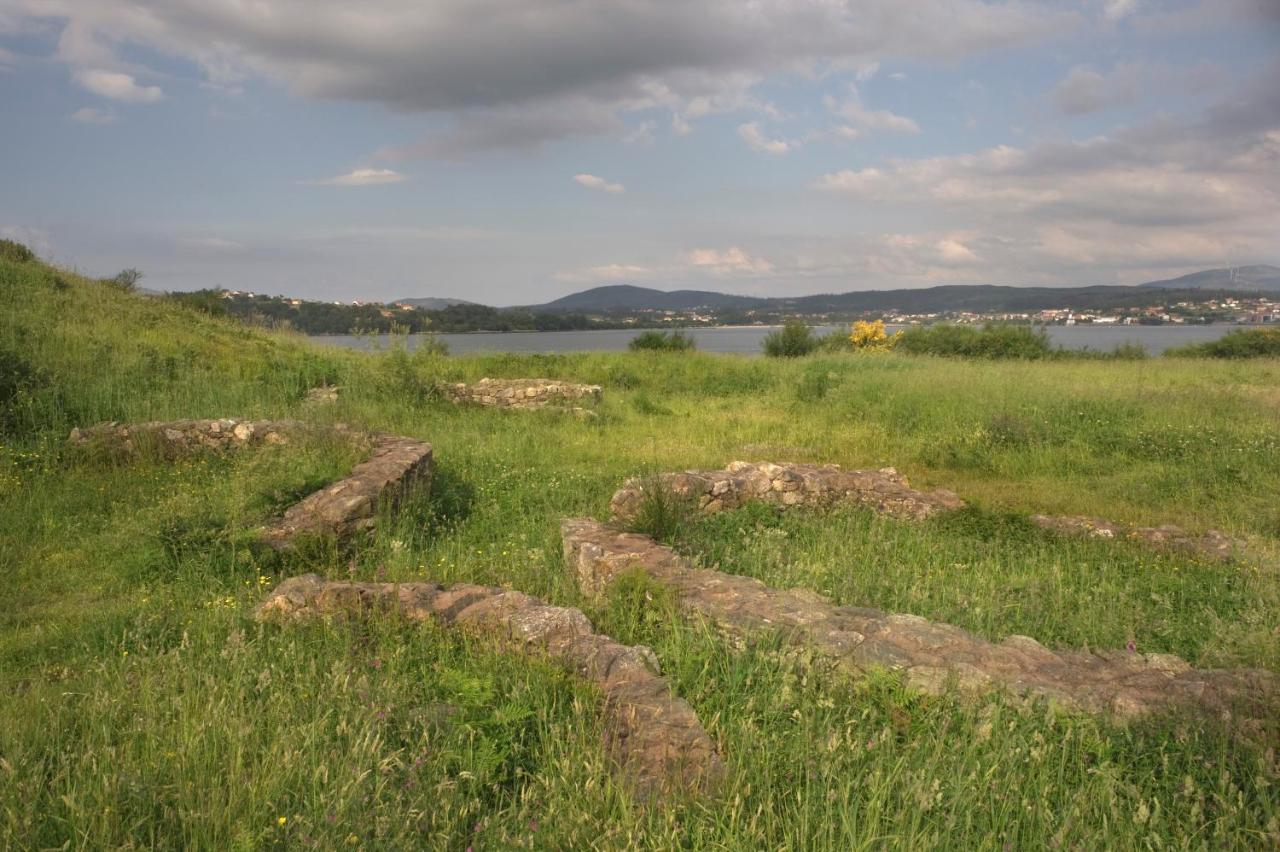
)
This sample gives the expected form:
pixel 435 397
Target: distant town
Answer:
pixel 1077 306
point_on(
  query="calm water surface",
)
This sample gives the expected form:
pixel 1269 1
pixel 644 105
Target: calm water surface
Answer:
pixel 746 340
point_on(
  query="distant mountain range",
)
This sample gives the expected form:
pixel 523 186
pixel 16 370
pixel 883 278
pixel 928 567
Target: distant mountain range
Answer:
pixel 1198 286
pixel 628 297
pixel 1264 277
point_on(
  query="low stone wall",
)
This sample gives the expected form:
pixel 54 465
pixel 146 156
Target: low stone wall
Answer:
pixel 173 438
pixel 786 485
pixel 522 393
pixel 1210 544
pixel 931 656
pixel 394 466
pixel 654 737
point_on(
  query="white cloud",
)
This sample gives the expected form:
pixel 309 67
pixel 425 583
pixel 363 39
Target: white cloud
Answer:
pixel 599 183
pixel 1162 194
pixel 757 141
pixel 731 261
pixel 216 245
pixel 853 111
pixel 953 251
pixel 1114 10
pixel 93 115
pixel 363 177
pixel 118 86
pixel 7 60
pixel 1085 90
pixel 607 272
pixel 615 55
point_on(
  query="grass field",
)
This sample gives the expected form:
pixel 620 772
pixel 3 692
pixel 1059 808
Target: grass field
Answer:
pixel 143 706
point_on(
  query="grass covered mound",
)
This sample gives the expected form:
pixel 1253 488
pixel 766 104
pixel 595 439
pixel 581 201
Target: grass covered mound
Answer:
pixel 143 701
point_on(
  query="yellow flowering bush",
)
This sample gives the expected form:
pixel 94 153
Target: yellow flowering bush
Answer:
pixel 871 337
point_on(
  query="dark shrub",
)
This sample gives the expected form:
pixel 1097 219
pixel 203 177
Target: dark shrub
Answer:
pixel 965 341
pixel 1242 343
pixel 126 280
pixel 15 252
pixel 662 341
pixel 17 379
pixel 791 341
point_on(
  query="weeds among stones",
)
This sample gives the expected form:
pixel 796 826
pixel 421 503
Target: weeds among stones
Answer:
pixel 653 736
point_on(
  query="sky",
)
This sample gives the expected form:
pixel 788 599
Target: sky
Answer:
pixel 512 151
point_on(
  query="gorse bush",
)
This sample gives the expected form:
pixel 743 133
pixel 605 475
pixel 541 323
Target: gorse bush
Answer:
pixel 15 252
pixel 1242 343
pixel 964 341
pixel 791 341
pixel 871 337
pixel 662 341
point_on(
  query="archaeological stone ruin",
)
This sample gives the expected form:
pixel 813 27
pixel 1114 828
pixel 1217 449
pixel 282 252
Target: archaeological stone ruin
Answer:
pixel 654 737
pixel 786 485
pixel 884 491
pixel 393 467
pixel 1211 544
pixel 522 393
pixel 930 656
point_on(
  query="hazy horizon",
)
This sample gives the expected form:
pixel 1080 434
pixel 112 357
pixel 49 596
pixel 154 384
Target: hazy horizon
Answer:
pixel 511 153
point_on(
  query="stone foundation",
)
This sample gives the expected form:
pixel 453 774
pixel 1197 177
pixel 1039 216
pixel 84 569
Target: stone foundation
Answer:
pixel 394 465
pixel 522 393
pixel 787 485
pixel 174 438
pixel 349 505
pixel 931 656
pixel 1210 544
pixel 654 737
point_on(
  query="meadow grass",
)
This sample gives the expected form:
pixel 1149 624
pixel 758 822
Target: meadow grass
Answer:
pixel 145 707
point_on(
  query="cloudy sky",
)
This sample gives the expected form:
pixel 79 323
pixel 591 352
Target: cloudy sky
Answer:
pixel 510 151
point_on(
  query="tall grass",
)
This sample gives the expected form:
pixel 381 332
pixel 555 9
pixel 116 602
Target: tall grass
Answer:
pixel 143 706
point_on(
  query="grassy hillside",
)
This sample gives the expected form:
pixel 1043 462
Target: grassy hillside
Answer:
pixel 144 707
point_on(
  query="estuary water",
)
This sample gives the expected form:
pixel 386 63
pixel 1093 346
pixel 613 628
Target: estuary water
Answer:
pixel 746 340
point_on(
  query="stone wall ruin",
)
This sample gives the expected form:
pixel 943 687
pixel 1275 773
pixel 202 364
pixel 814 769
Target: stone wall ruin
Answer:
pixel 393 466
pixel 522 393
pixel 930 656
pixel 653 736
pixel 785 485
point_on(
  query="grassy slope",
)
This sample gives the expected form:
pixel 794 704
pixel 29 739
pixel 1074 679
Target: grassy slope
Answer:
pixel 144 704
